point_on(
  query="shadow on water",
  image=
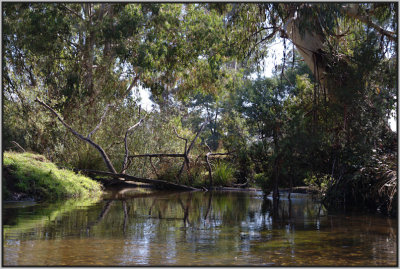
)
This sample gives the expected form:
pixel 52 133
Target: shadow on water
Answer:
pixel 147 227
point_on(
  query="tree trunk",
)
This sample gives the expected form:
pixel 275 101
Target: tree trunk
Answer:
pixel 209 169
pixel 310 47
pixel 161 184
pixel 81 137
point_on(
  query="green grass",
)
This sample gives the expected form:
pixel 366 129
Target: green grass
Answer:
pixel 35 176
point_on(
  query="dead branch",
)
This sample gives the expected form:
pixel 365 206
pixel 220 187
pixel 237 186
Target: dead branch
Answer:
pixel 197 135
pixel 81 137
pixel 18 146
pixel 209 165
pixel 173 155
pixel 182 139
pixel 220 154
pixel 125 162
pixel 243 185
pixel 186 162
pixel 154 169
pixel 101 121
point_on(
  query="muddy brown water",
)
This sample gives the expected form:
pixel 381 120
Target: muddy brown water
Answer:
pixel 135 227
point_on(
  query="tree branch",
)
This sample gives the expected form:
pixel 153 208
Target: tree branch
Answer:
pixel 209 165
pixel 88 140
pixel 178 155
pixel 155 170
pixel 18 146
pixel 220 154
pixel 186 162
pixel 182 139
pixel 352 11
pixel 101 121
pixel 132 84
pixel 125 162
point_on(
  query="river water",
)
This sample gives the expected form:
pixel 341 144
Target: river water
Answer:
pixel 143 227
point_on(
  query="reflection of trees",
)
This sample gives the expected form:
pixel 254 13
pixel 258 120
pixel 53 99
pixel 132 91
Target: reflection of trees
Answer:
pixel 132 210
pixel 185 209
pixel 213 224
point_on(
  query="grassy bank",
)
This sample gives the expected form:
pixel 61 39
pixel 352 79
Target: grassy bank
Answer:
pixel 28 175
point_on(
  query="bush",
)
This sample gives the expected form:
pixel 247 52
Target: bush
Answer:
pixel 35 176
pixel 319 183
pixel 169 171
pixel 222 174
pixel 264 182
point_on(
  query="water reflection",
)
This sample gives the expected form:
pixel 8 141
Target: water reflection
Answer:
pixel 142 227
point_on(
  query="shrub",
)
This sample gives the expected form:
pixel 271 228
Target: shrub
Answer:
pixel 264 182
pixel 319 183
pixel 222 174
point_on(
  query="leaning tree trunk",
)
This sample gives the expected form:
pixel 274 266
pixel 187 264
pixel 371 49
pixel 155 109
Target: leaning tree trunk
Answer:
pixel 87 139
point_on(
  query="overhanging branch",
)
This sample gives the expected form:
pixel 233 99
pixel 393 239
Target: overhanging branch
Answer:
pixel 352 11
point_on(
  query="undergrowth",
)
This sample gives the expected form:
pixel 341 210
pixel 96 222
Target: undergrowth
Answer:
pixel 223 174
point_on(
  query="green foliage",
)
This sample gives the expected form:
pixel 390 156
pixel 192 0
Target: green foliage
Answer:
pixel 198 61
pixel 263 181
pixel 223 174
pixel 319 182
pixel 169 171
pixel 372 184
pixel 35 176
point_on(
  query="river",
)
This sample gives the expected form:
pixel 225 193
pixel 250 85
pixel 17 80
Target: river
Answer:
pixel 135 227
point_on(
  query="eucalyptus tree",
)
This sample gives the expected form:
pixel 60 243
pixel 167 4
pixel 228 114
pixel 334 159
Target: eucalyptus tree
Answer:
pixel 81 57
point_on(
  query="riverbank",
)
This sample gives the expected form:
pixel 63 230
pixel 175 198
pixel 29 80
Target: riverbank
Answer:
pixel 29 176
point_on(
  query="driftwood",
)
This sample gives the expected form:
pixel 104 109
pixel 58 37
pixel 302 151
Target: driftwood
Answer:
pixel 155 182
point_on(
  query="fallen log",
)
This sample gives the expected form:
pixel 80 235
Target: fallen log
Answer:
pixel 159 184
